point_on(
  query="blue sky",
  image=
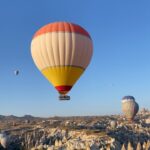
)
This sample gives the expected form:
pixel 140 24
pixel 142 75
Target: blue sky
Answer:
pixel 120 65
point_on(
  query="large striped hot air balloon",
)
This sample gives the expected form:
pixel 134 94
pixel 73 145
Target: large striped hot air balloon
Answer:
pixel 129 107
pixel 62 52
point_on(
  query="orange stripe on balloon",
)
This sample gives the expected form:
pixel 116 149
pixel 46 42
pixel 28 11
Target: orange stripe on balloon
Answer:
pixel 61 27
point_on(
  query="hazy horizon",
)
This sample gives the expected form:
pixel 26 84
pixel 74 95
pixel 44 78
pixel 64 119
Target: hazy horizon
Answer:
pixel 90 115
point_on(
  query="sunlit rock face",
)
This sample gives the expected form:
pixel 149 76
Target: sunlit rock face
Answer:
pixel 96 133
pixel 147 121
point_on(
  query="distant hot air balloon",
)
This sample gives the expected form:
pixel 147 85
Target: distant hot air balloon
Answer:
pixel 62 52
pixel 3 140
pixel 16 72
pixel 129 107
pixel 113 124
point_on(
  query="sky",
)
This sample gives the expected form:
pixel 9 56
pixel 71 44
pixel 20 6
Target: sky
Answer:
pixel 120 65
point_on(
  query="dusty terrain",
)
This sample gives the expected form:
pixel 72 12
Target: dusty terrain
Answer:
pixel 71 133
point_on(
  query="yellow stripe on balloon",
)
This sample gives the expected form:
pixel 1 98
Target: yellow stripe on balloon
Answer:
pixel 62 75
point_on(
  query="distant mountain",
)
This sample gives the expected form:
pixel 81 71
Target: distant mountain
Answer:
pixel 2 117
pixel 28 117
pixel 12 117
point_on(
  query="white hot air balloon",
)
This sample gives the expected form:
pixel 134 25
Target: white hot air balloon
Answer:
pixel 129 107
pixel 4 140
pixel 113 124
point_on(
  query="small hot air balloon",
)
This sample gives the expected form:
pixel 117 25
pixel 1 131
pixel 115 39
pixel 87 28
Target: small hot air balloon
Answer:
pixel 3 140
pixel 62 51
pixel 129 107
pixel 16 72
pixel 113 124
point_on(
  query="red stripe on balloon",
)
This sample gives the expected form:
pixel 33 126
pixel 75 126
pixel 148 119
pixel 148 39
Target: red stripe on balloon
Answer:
pixel 63 88
pixel 62 27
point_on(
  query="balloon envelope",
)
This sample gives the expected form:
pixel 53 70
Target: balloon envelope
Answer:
pixel 113 124
pixel 3 140
pixel 129 107
pixel 62 52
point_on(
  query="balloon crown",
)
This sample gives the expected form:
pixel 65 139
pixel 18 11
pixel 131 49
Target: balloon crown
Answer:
pixel 128 98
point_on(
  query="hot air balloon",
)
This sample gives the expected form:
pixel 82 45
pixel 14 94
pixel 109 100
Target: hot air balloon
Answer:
pixel 129 107
pixel 16 72
pixel 113 124
pixel 62 51
pixel 3 140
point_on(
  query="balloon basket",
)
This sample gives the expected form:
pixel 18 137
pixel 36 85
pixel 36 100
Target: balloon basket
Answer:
pixel 64 97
